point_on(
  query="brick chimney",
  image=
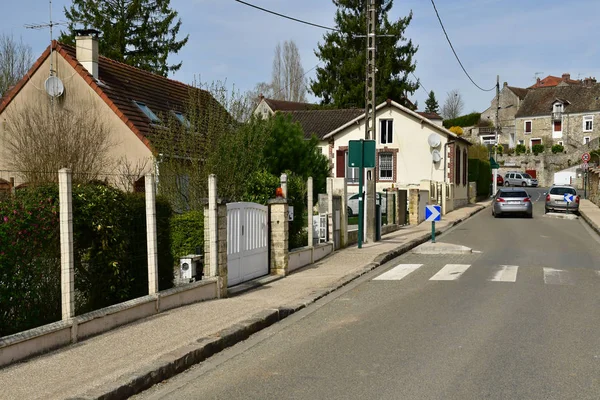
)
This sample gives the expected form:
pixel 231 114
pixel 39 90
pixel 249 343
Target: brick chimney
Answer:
pixel 566 77
pixel 86 41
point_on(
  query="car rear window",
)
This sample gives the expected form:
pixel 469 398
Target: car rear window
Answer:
pixel 562 190
pixel 516 193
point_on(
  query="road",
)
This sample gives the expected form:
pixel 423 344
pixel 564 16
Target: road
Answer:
pixel 518 319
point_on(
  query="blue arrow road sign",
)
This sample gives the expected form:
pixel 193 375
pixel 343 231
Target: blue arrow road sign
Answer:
pixel 569 198
pixel 433 213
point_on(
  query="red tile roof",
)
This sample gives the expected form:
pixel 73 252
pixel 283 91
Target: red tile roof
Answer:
pixel 283 105
pixel 551 81
pixel 429 115
pixel 119 85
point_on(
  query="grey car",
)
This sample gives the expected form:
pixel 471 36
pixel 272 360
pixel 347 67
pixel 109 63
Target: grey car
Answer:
pixel 515 178
pixel 512 201
pixel 555 199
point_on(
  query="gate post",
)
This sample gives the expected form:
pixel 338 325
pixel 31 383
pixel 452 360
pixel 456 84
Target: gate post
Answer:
pixel 215 234
pixel 330 210
pixel 67 264
pixel 413 206
pixel 278 248
pixel 309 194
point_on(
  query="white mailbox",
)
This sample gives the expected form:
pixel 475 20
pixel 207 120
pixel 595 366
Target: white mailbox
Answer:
pixel 190 267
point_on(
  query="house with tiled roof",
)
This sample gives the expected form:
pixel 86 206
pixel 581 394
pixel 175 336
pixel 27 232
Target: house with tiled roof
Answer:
pixel 267 107
pixel 551 81
pixel 510 99
pixel 562 114
pixel 129 100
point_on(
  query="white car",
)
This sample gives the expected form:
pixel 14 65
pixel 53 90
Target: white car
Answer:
pixel 353 203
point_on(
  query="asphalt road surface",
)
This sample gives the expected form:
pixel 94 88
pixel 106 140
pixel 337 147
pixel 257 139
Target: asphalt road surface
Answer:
pixel 518 319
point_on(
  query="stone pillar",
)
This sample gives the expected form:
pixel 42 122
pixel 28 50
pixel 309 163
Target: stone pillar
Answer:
pixel 279 253
pixel 330 215
pixel 392 199
pixel 151 239
pixel 283 181
pixel 67 265
pixel 309 199
pixel 215 237
pixel 370 211
pixel 413 206
pixel 341 189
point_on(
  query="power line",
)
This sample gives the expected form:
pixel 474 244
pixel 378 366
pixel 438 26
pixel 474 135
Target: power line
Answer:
pixel 288 17
pixel 456 55
pixel 419 82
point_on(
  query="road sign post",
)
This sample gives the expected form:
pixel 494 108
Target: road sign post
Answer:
pixel 361 155
pixel 433 213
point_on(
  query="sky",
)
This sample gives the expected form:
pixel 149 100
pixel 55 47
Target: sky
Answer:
pixel 515 39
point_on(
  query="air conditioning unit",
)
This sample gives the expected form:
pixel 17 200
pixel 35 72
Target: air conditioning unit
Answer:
pixel 190 268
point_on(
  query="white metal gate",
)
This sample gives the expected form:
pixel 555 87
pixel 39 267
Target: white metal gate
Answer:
pixel 247 242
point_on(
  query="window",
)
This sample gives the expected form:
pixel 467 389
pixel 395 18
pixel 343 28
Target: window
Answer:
pixel 558 107
pixel 465 166
pixel 560 142
pixel 386 166
pixel 184 121
pixel 557 126
pixel 488 139
pixel 586 140
pixel 153 118
pixel 588 123
pixel 351 173
pixel 527 126
pixel 386 133
pixel 521 142
pixel 457 176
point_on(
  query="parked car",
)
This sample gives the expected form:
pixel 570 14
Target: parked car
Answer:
pixel 353 204
pixel 499 180
pixel 555 199
pixel 512 201
pixel 515 178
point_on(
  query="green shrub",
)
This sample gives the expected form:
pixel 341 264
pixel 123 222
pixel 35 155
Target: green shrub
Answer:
pixel 520 149
pixel 480 172
pixel 510 151
pixel 462 121
pixel 187 234
pixel 500 149
pixel 557 148
pixel 537 149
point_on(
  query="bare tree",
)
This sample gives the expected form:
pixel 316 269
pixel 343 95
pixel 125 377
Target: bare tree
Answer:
pixel 15 60
pixel 42 139
pixel 453 106
pixel 288 81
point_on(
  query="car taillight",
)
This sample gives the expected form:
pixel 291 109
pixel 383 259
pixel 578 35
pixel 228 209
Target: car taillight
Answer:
pixel 526 200
pixel 577 199
pixel 500 200
pixel 548 198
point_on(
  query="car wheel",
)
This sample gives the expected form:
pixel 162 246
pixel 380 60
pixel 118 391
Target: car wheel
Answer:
pixel 523 184
pixel 546 211
pixel 349 211
pixel 506 183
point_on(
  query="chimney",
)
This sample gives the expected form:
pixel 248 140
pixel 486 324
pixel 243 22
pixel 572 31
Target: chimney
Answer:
pixel 87 50
pixel 505 84
pixel 566 77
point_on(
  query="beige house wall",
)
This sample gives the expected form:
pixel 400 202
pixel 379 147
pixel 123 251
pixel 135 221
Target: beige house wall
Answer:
pixel 126 146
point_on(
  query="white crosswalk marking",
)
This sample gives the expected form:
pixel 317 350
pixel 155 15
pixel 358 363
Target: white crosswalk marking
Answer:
pixel 450 272
pixel 398 272
pixel 557 277
pixel 505 273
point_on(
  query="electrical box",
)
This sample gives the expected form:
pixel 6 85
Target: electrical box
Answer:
pixel 190 268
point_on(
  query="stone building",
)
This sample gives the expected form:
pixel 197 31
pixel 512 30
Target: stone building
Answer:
pixel 510 100
pixel 565 114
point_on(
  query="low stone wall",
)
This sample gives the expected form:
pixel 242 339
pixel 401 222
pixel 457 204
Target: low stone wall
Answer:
pixel 303 256
pixel 545 164
pixel 45 338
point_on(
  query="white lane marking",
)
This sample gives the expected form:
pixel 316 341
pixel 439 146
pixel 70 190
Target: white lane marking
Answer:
pixel 398 272
pixel 505 273
pixel 557 277
pixel 450 272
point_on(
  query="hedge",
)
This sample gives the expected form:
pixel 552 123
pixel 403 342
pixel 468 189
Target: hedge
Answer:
pixel 187 234
pixel 462 121
pixel 480 172
pixel 109 231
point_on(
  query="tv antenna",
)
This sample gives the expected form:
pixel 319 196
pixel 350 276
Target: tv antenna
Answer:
pixel 536 75
pixel 51 24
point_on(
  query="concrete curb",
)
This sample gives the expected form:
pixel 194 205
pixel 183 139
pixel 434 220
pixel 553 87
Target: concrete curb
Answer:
pixel 185 357
pixel 591 223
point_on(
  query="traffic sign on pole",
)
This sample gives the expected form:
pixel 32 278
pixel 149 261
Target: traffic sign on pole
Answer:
pixel 433 213
pixel 569 198
pixel 585 157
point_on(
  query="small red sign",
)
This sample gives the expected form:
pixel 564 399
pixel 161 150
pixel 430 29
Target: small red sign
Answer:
pixel 585 157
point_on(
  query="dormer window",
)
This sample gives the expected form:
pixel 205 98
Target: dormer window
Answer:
pixel 557 111
pixel 181 118
pixel 146 110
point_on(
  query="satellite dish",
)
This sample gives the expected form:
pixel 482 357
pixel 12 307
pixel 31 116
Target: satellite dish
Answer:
pixel 54 86
pixel 436 156
pixel 434 140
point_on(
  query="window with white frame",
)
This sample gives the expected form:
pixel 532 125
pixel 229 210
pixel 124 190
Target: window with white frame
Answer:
pixel 488 139
pixel 586 140
pixel 527 126
pixel 560 142
pixel 386 131
pixel 351 172
pixel 148 112
pixel 386 166
pixel 521 142
pixel 588 123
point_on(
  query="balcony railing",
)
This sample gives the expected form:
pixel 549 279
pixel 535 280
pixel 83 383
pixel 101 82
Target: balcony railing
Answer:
pixel 557 116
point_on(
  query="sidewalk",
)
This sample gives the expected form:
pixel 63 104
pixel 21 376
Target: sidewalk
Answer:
pixel 127 360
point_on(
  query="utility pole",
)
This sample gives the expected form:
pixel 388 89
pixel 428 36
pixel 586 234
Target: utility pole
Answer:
pixel 370 116
pixel 495 183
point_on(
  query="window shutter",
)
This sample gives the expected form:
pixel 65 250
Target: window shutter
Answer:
pixel 340 164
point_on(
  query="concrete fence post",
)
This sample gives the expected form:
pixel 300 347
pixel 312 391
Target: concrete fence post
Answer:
pixel 330 215
pixel 67 264
pixel 309 195
pixel 215 234
pixel 413 206
pixel 151 237
pixel 279 252
pixel 284 187
pixel 212 225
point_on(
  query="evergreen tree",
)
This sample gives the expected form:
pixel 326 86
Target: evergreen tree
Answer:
pixel 141 33
pixel 341 81
pixel 431 104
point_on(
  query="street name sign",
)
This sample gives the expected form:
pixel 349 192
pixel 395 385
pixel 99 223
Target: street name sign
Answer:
pixel 433 213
